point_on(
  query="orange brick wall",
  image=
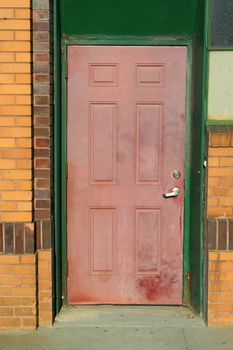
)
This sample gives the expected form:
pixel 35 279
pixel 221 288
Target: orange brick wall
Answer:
pixel 18 292
pixel 26 291
pixel 45 314
pixel 220 288
pixel 15 112
pixel 220 175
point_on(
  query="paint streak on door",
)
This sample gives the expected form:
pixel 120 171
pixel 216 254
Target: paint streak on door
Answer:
pixel 126 136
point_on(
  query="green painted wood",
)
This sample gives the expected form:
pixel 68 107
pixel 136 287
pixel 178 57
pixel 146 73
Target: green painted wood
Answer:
pixel 129 17
pixel 197 169
pixel 57 165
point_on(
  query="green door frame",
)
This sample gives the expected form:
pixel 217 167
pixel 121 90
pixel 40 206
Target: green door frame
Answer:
pixel 60 151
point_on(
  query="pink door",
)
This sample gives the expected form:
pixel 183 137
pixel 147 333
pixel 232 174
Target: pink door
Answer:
pixel 126 137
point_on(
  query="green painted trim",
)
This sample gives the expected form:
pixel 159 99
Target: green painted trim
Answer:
pixel 219 122
pixel 132 42
pixel 57 163
pixel 187 169
pixel 203 152
pixel 63 170
pixel 125 40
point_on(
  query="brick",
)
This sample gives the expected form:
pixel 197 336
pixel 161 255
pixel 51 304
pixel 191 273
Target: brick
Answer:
pixel 43 265
pixel 213 212
pixel 44 275
pixel 42 142
pixel 23 13
pixel 222 234
pixel 16 89
pixel 25 291
pixel 6 291
pixel 7 164
pixel 45 306
pixel 42 183
pixel 6 34
pixel 29 238
pixel 23 143
pixel 28 259
pixel 22 79
pixel 16 195
pixel 6 311
pixel 40 4
pixel 10 301
pixel 39 26
pixel 45 255
pixel 9 259
pixel 211 234
pixel 29 301
pixel 14 24
pixel 213 181
pixel 227 181
pixel 6 13
pixel 42 173
pixel 24 206
pixel 41 79
pixel 15 174
pixel 213 161
pixel 15 216
pixel 7 143
pixel 16 3
pixel 42 153
pixel 23 56
pixel 217 287
pixel 42 204
pixel 226 297
pixel 24 164
pixel 24 270
pixel 220 266
pixel 8 206
pixel 28 281
pixel 231 234
pixel 213 297
pixel 220 152
pixel 15 68
pixel 42 100
pixel 9 322
pixel 223 256
pixel 222 192
pixel 42 57
pixel 43 163
pixel 9 280
pixel 29 322
pixel 15 153
pixel 45 285
pixel 42 37
pixel 42 214
pixel 9 238
pixel 19 238
pixel 23 35
pixel 42 121
pixel 7 79
pixel 14 46
pixel 1 238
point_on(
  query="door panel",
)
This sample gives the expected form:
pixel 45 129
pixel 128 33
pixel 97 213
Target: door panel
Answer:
pixel 126 136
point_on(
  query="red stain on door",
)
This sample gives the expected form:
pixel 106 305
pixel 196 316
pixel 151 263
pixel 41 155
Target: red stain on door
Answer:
pixel 126 137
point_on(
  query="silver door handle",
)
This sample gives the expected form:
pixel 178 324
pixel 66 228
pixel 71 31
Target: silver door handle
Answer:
pixel 175 192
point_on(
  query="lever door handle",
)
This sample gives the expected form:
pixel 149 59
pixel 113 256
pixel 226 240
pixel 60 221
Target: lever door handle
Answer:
pixel 175 192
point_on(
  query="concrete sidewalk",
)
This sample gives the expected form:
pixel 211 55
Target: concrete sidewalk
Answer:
pixel 122 328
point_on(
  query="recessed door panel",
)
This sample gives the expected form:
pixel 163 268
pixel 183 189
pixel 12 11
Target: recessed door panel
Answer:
pixel 126 136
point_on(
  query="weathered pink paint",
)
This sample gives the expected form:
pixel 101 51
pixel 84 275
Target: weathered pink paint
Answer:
pixel 126 136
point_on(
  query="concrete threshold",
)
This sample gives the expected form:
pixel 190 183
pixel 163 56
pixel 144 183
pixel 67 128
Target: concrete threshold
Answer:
pixel 127 316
